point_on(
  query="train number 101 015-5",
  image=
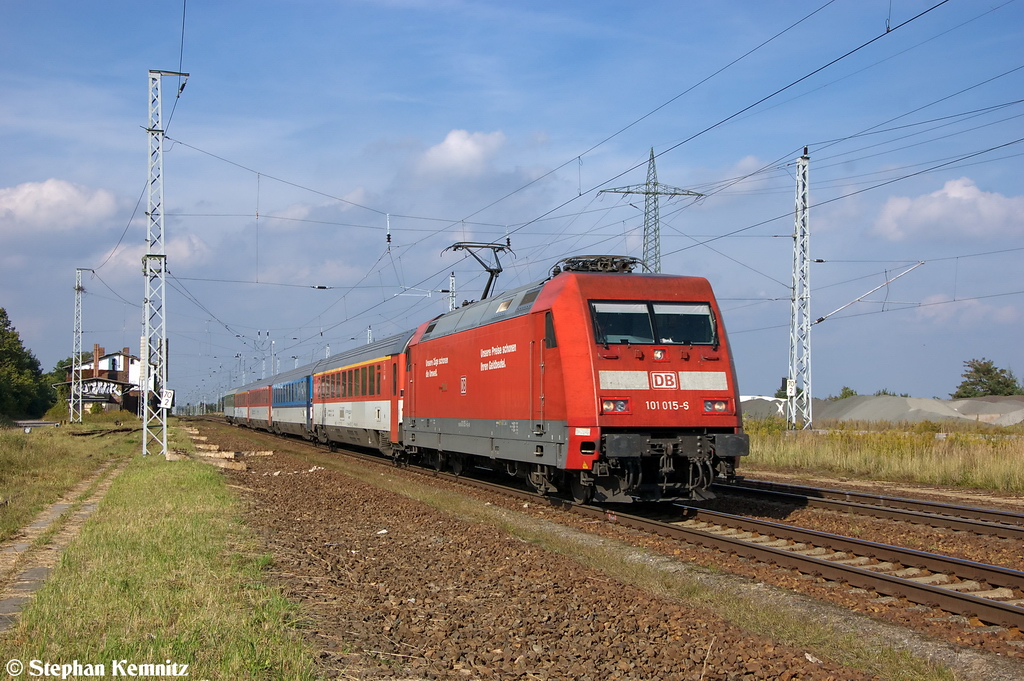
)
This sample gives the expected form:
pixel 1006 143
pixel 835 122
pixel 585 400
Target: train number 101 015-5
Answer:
pixel 668 405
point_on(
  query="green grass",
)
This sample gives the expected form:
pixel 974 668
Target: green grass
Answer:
pixel 164 571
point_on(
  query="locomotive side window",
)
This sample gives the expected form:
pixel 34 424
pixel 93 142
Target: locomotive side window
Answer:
pixel 549 331
pixel 646 323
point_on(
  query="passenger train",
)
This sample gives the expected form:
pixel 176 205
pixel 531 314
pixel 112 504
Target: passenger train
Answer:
pixel 597 382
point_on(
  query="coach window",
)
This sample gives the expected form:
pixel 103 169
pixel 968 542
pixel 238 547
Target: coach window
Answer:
pixel 362 381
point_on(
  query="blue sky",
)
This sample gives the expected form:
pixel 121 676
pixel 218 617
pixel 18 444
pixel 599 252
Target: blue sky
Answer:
pixel 467 121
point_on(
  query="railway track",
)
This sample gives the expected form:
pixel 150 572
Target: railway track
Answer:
pixel 993 594
pixel 987 521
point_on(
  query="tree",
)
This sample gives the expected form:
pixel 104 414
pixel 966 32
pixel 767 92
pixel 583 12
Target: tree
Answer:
pixel 983 377
pixel 884 392
pixel 23 389
pixel 781 392
pixel 60 374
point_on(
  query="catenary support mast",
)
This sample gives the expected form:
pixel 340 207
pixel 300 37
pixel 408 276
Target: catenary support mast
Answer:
pixel 77 385
pixel 154 396
pixel 798 384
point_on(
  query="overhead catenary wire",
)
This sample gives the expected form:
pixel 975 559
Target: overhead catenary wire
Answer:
pixel 446 267
pixel 549 173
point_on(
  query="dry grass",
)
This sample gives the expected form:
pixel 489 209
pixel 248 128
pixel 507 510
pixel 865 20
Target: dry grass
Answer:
pixel 974 456
pixel 37 468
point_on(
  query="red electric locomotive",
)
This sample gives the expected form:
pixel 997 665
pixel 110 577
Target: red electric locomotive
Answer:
pixel 611 385
pixel 599 382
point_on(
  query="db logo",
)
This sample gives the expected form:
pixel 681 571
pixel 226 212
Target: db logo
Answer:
pixel 664 380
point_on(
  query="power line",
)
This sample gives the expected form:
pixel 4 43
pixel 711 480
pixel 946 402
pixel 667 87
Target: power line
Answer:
pixel 889 58
pixel 751 106
pixel 859 191
pixel 125 231
pixel 545 175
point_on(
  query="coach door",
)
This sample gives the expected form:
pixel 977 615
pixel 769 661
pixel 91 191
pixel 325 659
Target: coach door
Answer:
pixel 394 387
pixel 309 404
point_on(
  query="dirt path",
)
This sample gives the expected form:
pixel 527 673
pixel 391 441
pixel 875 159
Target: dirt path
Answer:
pixel 26 561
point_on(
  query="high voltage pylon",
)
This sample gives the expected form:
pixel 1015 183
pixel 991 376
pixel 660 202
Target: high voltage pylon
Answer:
pixel 155 397
pixel 651 190
pixel 798 383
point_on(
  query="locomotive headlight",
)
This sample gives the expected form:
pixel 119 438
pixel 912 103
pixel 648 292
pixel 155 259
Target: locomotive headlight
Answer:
pixel 615 406
pixel 659 354
pixel 716 406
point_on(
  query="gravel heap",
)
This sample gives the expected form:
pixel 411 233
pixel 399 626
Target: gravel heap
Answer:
pixel 1000 411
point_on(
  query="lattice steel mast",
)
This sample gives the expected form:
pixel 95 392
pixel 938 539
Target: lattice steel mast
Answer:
pixel 154 396
pixel 798 384
pixel 652 219
pixel 75 404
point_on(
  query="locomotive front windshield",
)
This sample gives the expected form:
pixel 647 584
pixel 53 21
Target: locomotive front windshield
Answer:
pixel 652 323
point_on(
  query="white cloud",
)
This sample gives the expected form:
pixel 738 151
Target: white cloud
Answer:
pixel 958 209
pixel 182 252
pixel 462 153
pixel 941 309
pixel 53 205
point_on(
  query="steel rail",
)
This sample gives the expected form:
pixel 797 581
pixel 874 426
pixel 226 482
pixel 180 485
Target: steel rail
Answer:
pixel 1006 524
pixel 985 609
pixel 946 599
pixel 993 574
